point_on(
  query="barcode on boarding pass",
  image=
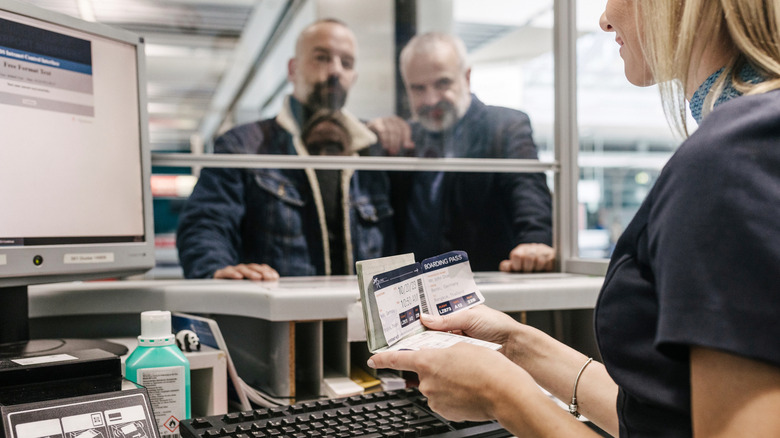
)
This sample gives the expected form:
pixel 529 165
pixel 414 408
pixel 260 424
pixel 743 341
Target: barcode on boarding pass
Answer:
pixel 423 302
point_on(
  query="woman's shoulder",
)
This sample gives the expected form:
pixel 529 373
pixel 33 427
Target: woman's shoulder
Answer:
pixel 736 150
pixel 753 117
pixel 745 128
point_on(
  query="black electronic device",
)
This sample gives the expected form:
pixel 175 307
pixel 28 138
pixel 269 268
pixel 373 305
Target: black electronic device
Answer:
pixel 72 374
pixel 75 170
pixel 117 414
pixel 401 413
pixel 78 394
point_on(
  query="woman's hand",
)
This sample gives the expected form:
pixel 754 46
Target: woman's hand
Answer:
pixel 462 382
pixel 480 322
pixel 469 382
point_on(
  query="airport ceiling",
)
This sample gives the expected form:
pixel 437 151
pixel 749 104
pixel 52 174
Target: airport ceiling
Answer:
pixel 190 44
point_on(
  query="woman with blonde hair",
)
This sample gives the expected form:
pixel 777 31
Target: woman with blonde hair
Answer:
pixel 686 319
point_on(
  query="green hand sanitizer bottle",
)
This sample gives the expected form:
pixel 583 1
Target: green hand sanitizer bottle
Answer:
pixel 160 366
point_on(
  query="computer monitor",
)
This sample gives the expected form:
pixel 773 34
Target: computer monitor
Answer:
pixel 75 200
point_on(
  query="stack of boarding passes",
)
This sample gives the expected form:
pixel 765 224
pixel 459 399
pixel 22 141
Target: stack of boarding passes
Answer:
pixel 395 291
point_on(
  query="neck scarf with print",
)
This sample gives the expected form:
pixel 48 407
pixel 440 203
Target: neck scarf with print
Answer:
pixel 746 74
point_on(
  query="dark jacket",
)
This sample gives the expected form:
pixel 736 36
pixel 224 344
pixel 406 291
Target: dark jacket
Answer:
pixel 273 216
pixel 484 214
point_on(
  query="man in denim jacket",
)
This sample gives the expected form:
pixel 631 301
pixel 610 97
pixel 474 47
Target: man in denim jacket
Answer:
pixel 262 223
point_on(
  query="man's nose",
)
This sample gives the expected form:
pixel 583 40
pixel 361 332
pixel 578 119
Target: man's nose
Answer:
pixel 430 97
pixel 335 67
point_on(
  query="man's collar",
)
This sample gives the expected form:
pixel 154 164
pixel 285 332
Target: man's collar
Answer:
pixel 297 111
pixel 362 137
pixel 475 106
pixel 300 112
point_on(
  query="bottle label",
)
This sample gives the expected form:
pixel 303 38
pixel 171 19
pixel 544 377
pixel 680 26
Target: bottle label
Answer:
pixel 166 388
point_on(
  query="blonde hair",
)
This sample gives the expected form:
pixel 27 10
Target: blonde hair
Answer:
pixel 750 28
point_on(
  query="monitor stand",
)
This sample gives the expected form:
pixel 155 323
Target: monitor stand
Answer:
pixel 15 339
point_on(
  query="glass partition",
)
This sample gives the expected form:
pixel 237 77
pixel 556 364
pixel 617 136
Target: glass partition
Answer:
pixel 624 139
pixel 510 51
pixel 618 130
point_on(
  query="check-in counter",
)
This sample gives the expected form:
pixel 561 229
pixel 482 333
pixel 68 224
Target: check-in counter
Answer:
pixel 283 336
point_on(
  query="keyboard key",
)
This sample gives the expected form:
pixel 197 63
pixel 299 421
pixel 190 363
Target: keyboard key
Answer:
pixel 201 423
pixel 261 414
pixel 278 411
pixel 408 432
pixel 231 418
pixel 425 430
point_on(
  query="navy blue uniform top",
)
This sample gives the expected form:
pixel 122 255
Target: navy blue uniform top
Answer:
pixel 697 266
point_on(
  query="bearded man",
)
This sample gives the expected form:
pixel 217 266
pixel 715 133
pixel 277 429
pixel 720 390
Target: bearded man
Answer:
pixel 260 224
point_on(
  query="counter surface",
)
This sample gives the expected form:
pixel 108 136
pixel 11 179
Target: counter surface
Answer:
pixel 292 298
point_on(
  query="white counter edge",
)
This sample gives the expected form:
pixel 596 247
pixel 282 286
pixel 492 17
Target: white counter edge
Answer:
pixel 291 299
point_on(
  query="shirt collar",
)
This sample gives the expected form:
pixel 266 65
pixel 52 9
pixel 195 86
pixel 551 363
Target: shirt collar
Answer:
pixel 297 110
pixel 746 74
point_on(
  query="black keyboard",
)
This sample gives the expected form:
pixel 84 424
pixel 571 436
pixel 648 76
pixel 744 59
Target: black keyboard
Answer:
pixel 401 413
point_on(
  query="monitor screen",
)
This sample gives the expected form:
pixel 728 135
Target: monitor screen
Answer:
pixel 73 182
pixel 75 202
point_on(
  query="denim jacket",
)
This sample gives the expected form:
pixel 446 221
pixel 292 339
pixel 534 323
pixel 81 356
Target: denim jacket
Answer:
pixel 276 216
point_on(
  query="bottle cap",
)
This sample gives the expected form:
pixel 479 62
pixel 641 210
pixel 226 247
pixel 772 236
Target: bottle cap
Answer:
pixel 156 328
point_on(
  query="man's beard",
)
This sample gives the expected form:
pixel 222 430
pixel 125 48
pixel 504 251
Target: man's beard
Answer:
pixel 443 122
pixel 327 95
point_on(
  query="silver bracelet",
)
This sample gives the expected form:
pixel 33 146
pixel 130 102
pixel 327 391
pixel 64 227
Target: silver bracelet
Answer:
pixel 573 407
